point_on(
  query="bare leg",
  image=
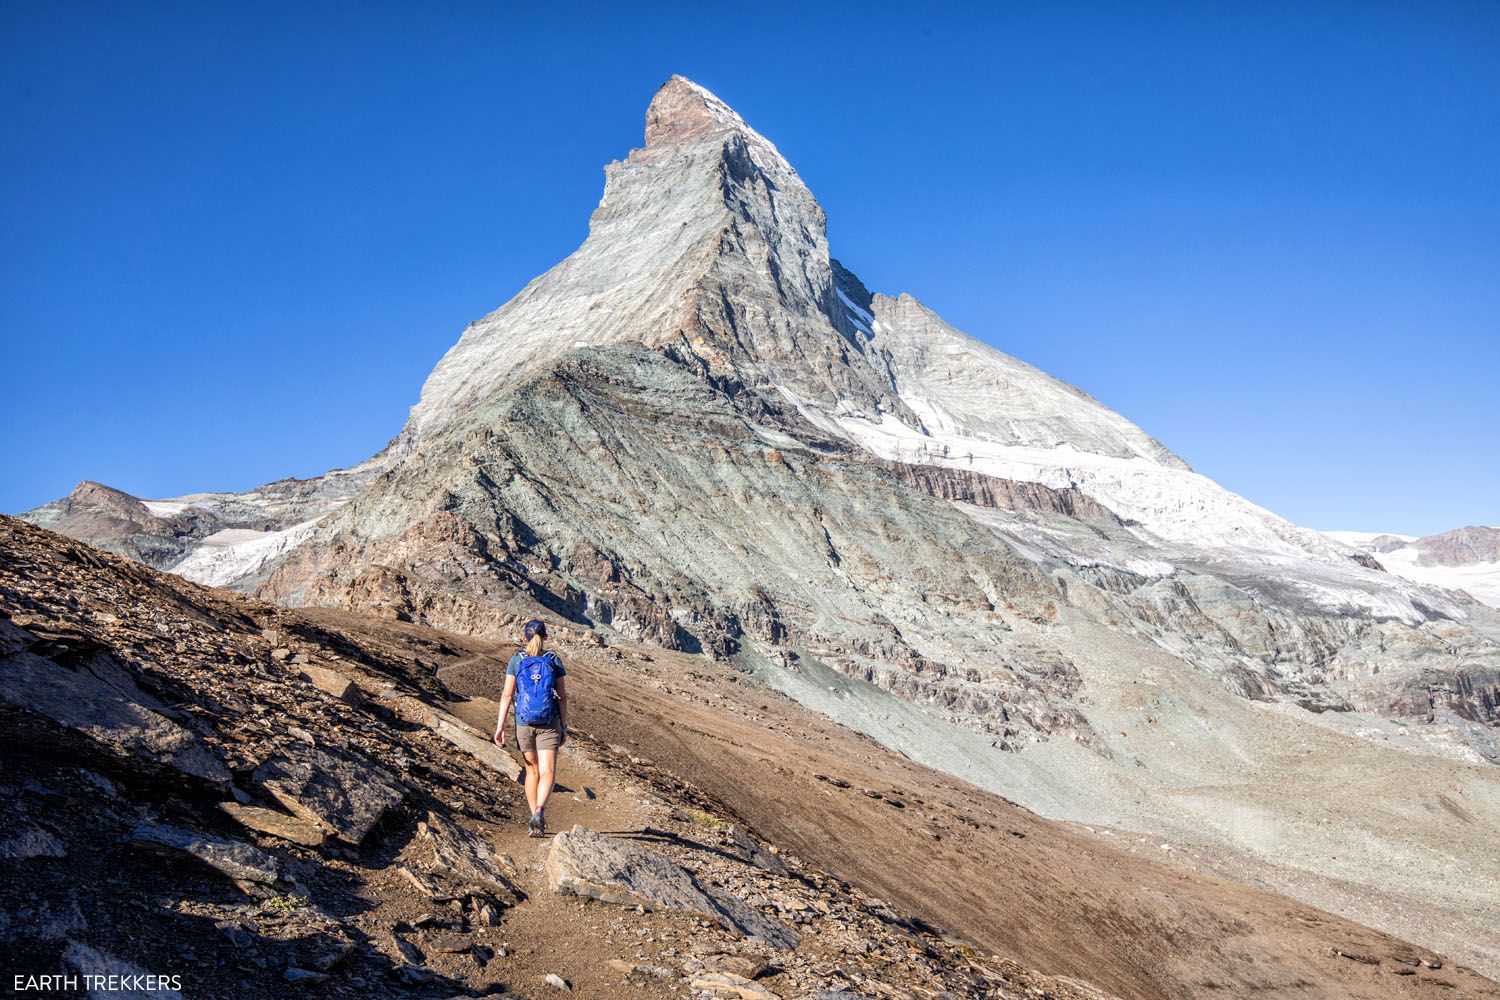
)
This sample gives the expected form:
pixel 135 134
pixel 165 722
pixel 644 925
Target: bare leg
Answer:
pixel 532 780
pixel 546 772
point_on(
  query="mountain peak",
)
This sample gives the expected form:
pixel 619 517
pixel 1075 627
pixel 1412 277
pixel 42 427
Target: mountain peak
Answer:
pixel 682 112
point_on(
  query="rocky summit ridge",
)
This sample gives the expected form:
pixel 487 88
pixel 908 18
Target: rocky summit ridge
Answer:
pixel 701 431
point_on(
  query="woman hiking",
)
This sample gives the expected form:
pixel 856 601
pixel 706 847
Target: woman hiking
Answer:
pixel 534 683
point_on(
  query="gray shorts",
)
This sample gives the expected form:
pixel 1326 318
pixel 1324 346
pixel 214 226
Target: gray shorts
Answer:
pixel 532 738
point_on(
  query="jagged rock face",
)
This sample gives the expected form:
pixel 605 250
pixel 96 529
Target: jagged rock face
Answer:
pixel 629 491
pixel 212 538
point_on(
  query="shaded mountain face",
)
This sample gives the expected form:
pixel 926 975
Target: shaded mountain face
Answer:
pixel 702 431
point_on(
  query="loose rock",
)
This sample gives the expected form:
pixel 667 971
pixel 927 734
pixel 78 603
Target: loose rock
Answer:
pixel 113 715
pixel 229 857
pixel 273 823
pixel 343 793
pixel 33 842
pixel 469 859
pixel 584 863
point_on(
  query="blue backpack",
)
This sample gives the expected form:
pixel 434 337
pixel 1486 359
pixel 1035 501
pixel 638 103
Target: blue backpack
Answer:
pixel 536 699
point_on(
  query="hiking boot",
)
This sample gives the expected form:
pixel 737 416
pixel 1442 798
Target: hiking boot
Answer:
pixel 534 828
pixel 541 823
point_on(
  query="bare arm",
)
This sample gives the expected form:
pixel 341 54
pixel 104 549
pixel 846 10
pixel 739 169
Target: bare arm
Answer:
pixel 506 697
pixel 561 686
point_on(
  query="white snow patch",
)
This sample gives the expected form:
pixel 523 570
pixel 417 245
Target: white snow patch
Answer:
pixel 165 508
pixel 1180 513
pixel 235 553
pixel 860 316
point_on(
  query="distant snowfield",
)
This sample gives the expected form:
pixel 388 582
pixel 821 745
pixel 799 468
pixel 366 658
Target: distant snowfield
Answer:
pixel 1480 580
pixel 235 553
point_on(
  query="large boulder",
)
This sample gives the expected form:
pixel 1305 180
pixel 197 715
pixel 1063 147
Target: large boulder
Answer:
pixel 582 862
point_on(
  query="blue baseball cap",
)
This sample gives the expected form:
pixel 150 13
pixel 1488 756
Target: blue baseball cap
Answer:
pixel 536 627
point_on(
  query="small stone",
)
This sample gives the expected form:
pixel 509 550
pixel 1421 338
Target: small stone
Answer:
pixel 334 955
pixel 414 975
pixel 425 884
pixel 303 976
pixel 410 952
pixel 744 966
pixel 333 683
pixel 280 654
pixel 33 842
pixel 100 782
pixel 558 982
pixel 451 943
pixel 723 982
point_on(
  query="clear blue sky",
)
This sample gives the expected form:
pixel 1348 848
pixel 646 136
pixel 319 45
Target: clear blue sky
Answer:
pixel 235 237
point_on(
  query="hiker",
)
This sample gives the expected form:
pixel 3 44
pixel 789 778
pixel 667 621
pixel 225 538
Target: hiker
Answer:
pixel 534 682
